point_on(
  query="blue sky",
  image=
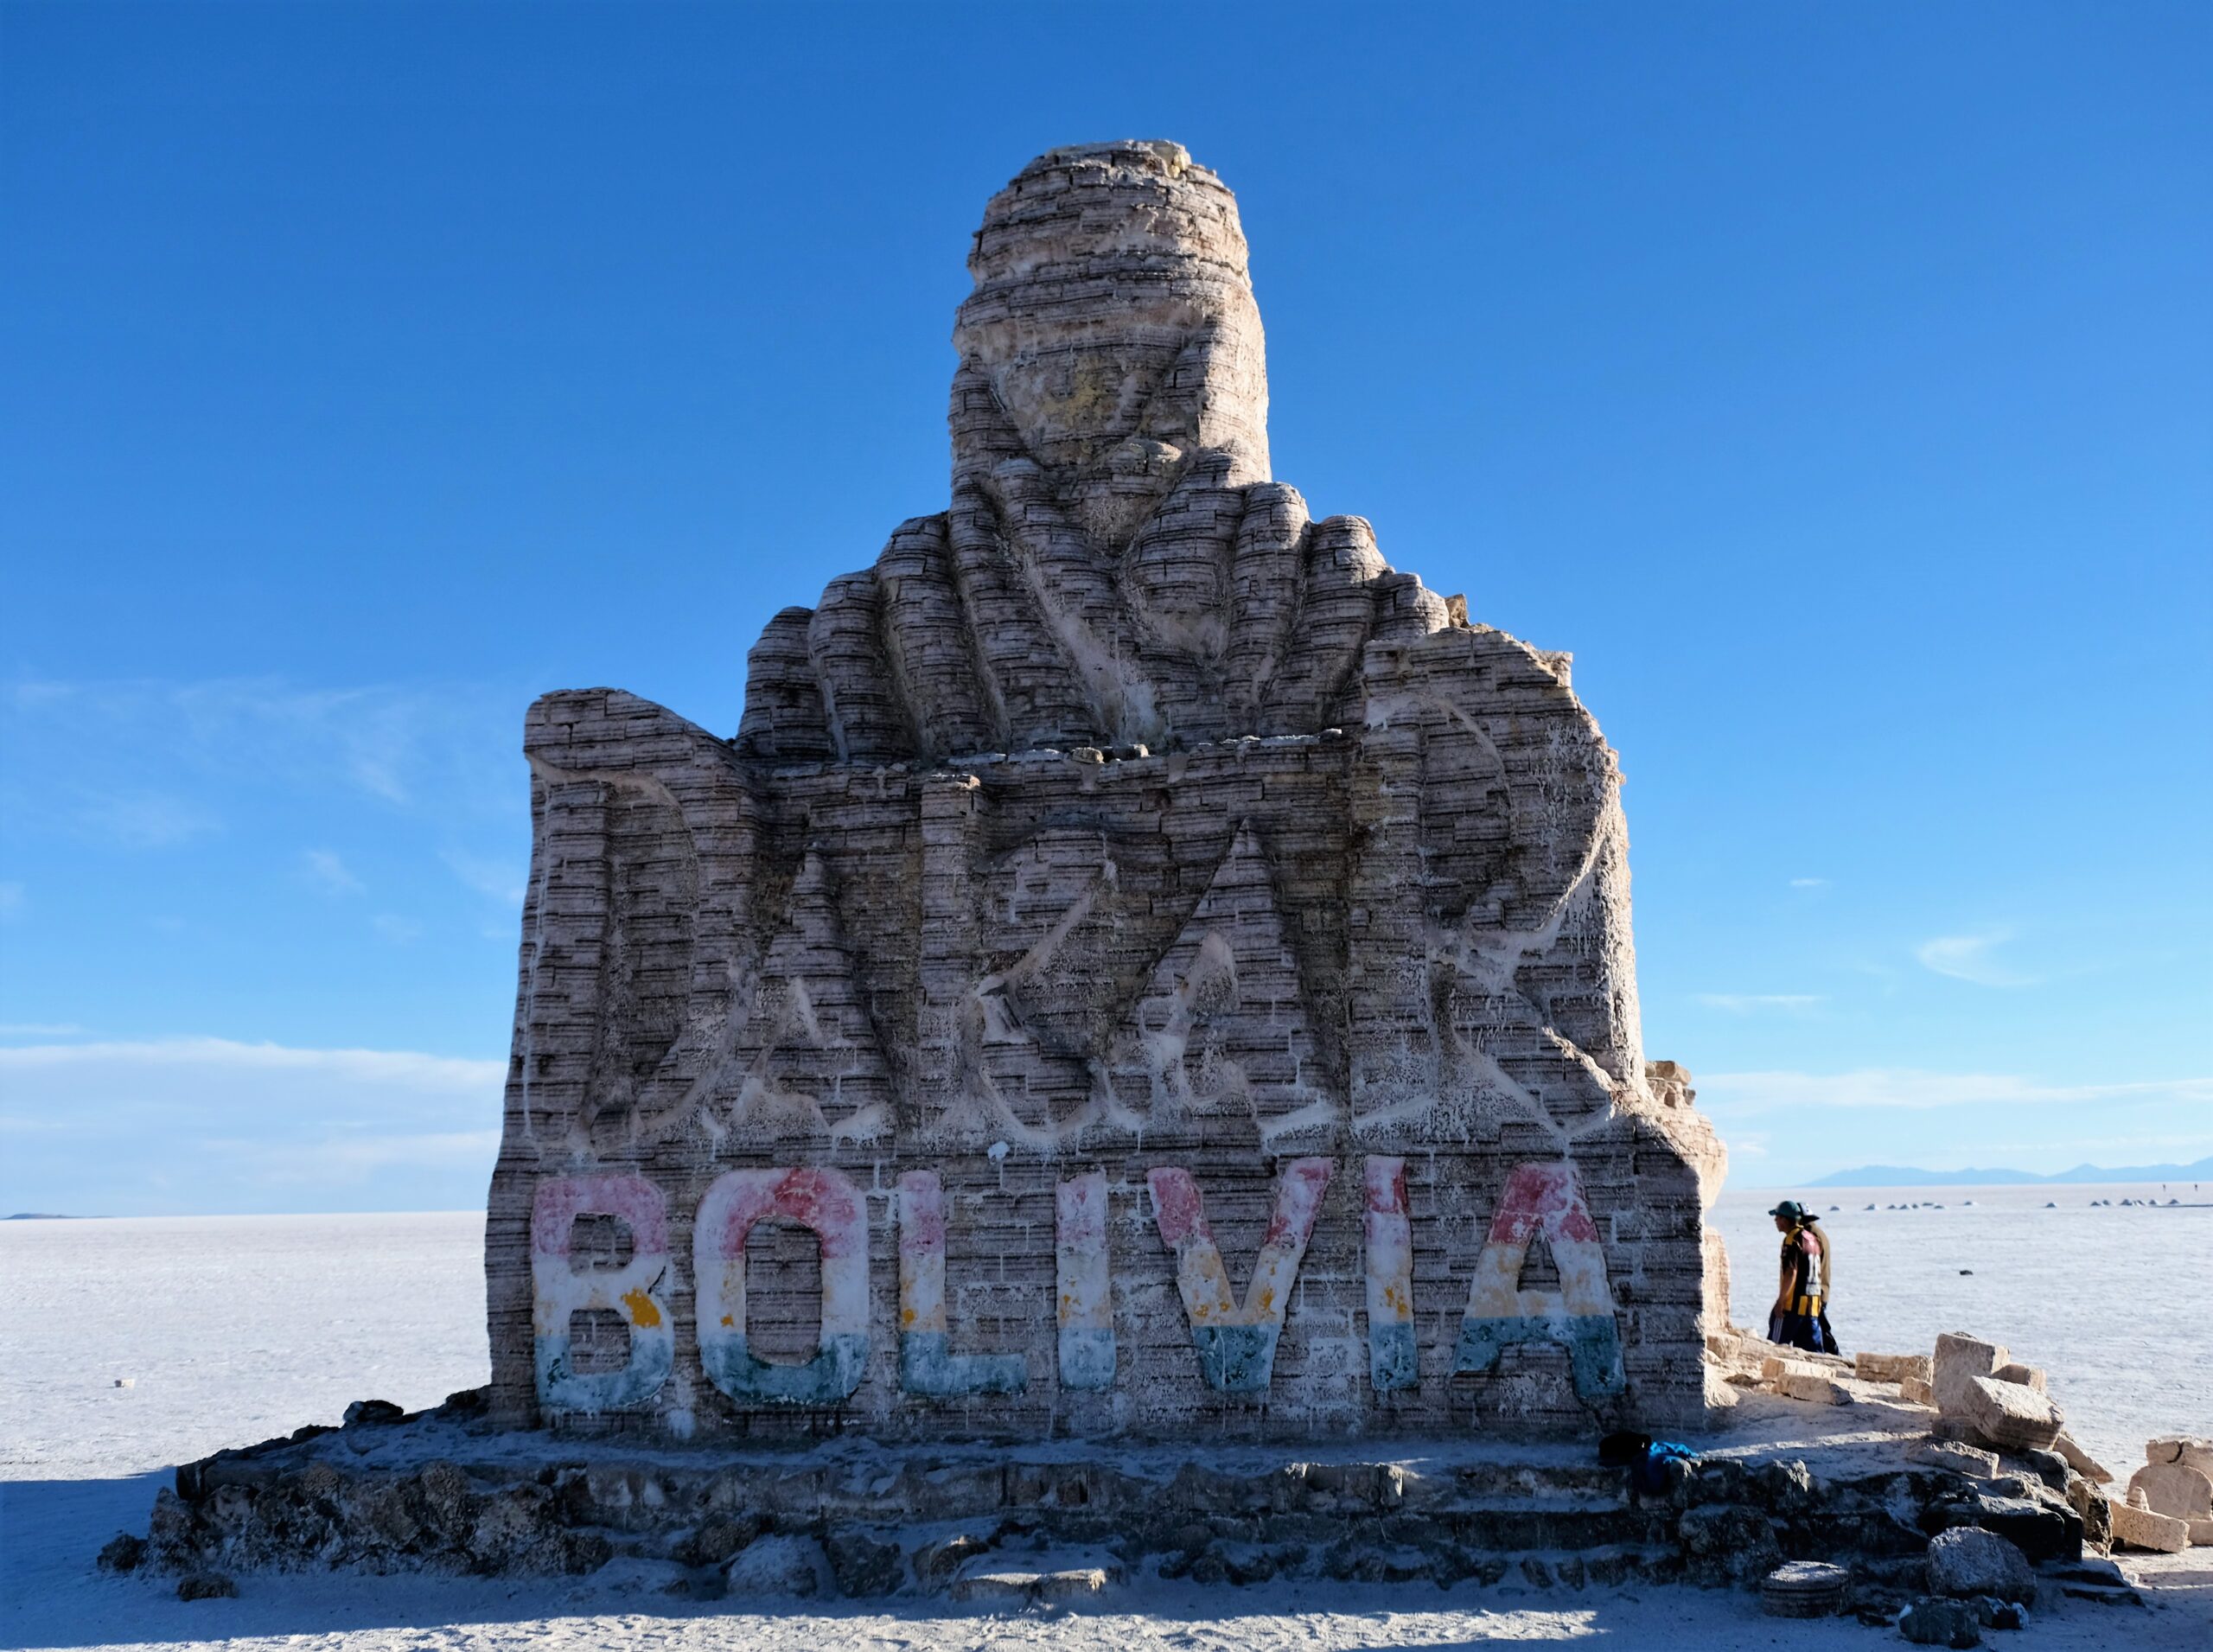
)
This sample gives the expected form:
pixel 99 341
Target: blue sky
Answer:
pixel 1837 383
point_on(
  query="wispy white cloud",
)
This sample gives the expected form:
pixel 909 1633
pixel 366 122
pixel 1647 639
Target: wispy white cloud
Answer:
pixel 343 1161
pixel 1915 1087
pixel 1754 1002
pixel 93 745
pixel 1809 882
pixel 329 869
pixel 405 1070
pixel 221 1124
pixel 501 880
pixel 146 819
pixel 1968 958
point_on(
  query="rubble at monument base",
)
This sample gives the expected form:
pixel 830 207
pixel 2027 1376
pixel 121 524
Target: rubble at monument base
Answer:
pixel 444 1492
pixel 1779 1495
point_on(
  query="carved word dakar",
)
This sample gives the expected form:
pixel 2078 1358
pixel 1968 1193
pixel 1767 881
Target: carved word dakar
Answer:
pixel 1234 1338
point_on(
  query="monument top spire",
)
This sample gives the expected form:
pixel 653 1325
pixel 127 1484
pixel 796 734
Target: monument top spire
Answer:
pixel 1113 320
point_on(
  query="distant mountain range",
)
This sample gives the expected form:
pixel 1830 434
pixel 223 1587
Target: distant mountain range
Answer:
pixel 1900 1176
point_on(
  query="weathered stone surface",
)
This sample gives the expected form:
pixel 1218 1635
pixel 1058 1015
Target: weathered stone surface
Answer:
pixel 1955 1456
pixel 122 1552
pixel 780 1565
pixel 2137 1527
pixel 2028 1377
pixel 205 1586
pixel 2188 1450
pixel 2051 1468
pixel 1016 1579
pixel 2081 1461
pixel 2095 1511
pixel 1143 966
pixel 2011 1416
pixel 1892 1368
pixel 2041 1526
pixel 1959 1359
pixel 1804 1589
pixel 1936 1622
pixel 2096 1579
pixel 1914 1391
pixel 1729 1543
pixel 2173 1489
pixel 1994 1613
pixel 865 1566
pixel 1969 1562
pixel 1808 1383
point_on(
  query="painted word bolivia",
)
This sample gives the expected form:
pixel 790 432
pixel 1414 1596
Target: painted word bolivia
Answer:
pixel 1143 966
pixel 1235 1341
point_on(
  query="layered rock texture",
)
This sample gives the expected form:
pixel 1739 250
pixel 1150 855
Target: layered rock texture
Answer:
pixel 1143 966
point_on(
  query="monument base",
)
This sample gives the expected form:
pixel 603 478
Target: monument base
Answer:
pixel 443 1492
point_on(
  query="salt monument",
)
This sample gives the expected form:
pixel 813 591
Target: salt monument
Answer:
pixel 1142 966
pixel 1144 977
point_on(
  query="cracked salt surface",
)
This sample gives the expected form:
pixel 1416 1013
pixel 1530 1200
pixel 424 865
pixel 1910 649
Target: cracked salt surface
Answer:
pixel 235 1328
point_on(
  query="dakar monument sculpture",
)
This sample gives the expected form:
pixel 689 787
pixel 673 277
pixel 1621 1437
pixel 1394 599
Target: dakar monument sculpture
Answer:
pixel 1143 967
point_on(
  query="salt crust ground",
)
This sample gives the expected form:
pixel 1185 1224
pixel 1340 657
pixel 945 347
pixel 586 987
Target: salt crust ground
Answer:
pixel 302 1332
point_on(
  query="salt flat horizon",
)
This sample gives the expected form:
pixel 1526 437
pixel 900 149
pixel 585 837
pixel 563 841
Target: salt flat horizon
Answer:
pixel 186 1306
pixel 232 1328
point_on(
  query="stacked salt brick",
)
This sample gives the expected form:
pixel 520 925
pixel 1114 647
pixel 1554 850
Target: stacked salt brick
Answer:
pixel 1982 1390
pixel 1122 821
pixel 2170 1504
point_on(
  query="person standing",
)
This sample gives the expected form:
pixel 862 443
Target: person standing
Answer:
pixel 1799 1317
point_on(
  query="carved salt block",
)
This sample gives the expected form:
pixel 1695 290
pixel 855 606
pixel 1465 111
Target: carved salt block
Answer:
pixel 1916 1392
pixel 2189 1450
pixel 2012 1416
pixel 2027 1375
pixel 1811 1384
pixel 1953 1455
pixel 1891 1367
pixel 2173 1489
pixel 2139 1528
pixel 2081 1461
pixel 1959 1360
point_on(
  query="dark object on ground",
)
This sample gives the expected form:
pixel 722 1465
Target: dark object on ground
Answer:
pixel 123 1552
pixel 373 1411
pixel 2047 1530
pixel 1994 1613
pixel 1941 1622
pixel 1654 1466
pixel 2094 1579
pixel 1804 1589
pixel 205 1586
pixel 2050 1467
